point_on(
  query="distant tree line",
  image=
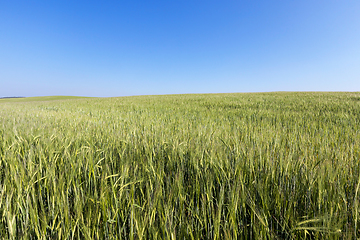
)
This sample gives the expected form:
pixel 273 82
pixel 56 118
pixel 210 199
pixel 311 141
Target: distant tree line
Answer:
pixel 11 97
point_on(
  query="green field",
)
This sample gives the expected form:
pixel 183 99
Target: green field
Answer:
pixel 211 166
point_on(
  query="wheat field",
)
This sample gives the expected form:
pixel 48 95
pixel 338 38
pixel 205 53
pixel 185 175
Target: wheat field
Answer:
pixel 279 165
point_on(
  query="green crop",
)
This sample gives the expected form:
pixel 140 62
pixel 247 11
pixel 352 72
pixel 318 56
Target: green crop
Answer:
pixel 211 166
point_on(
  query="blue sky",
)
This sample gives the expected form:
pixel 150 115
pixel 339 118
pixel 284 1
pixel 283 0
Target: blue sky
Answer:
pixel 119 48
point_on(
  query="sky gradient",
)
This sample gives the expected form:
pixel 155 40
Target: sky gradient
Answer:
pixel 120 48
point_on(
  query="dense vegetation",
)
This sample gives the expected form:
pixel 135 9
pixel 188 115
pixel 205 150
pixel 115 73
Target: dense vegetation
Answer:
pixel 216 166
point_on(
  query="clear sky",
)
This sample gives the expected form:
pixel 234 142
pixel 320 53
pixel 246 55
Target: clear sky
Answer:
pixel 133 47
